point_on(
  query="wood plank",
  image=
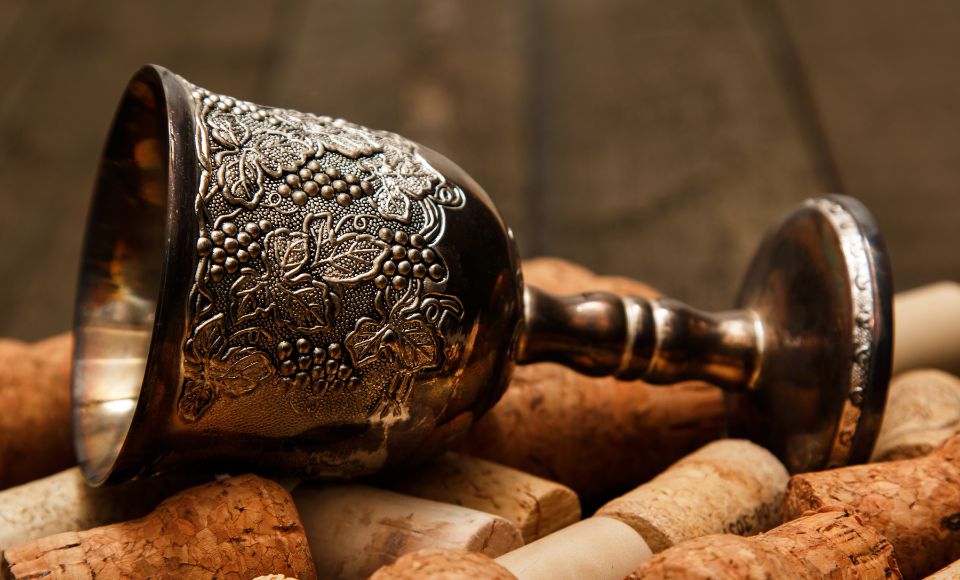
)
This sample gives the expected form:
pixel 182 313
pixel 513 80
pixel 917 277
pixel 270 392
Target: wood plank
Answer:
pixel 449 75
pixel 887 87
pixel 656 140
pixel 669 142
pixel 55 113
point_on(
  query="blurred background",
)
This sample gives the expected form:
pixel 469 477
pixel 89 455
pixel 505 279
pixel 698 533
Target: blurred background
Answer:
pixel 657 140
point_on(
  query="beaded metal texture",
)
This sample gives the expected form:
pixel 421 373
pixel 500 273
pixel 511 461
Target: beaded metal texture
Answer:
pixel 317 268
pixel 862 301
pixel 333 300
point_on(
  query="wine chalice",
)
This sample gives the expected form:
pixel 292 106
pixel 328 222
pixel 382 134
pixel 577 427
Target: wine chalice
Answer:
pixel 300 293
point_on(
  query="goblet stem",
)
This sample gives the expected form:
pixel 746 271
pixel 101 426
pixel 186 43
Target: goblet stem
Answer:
pixel 661 341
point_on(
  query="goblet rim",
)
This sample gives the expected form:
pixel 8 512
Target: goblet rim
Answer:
pixel 135 441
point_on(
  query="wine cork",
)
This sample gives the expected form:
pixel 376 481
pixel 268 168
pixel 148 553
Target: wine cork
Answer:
pixel 598 548
pixel 923 411
pixel 564 277
pixel 950 572
pixel 355 529
pixel 443 565
pixel 598 436
pixel 538 507
pixel 63 502
pixel 914 503
pixel 927 332
pixel 240 528
pixel 729 486
pixel 829 544
pixel 35 437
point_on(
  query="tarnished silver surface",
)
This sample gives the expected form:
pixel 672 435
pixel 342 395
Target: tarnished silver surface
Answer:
pixel 821 284
pixel 318 266
pixel 863 336
pixel 287 291
pixel 805 361
pixel 284 290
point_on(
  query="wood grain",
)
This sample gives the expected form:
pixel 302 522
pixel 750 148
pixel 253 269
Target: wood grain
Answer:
pixel 669 146
pixel 655 140
pixel 63 79
pixel 887 91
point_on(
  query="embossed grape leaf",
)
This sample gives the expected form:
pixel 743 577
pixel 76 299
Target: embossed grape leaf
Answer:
pixel 195 397
pixel 289 117
pixel 240 371
pixel 410 342
pixel 305 309
pixel 314 124
pixel 208 339
pixel 240 178
pixel 366 341
pixel 392 205
pixel 393 141
pixel 414 176
pixel 228 129
pixel 286 252
pixel 278 153
pixel 247 296
pixel 400 178
pixel 403 172
pixel 303 122
pixel 350 258
pixel 346 139
pixel 418 345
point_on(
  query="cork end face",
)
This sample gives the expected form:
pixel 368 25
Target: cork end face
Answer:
pixel 821 286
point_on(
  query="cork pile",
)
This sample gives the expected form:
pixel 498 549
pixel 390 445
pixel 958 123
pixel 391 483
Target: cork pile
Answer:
pixel 566 477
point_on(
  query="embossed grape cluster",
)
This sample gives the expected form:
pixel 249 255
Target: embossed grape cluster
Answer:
pixel 224 104
pixel 329 184
pixel 303 364
pixel 409 257
pixel 229 246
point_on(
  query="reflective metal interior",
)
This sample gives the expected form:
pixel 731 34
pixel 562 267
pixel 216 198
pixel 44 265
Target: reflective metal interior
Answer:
pixel 120 280
pixel 184 357
pixel 181 356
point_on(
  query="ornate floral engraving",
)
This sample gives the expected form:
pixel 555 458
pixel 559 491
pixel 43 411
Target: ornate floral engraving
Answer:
pixel 318 270
pixel 858 270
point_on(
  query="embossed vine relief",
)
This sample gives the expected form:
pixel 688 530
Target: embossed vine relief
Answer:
pixel 317 267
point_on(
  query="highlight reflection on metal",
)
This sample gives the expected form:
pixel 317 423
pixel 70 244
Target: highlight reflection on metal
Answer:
pixel 302 293
pixel 806 360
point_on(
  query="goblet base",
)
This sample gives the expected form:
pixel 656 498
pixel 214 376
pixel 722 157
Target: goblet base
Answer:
pixel 822 290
